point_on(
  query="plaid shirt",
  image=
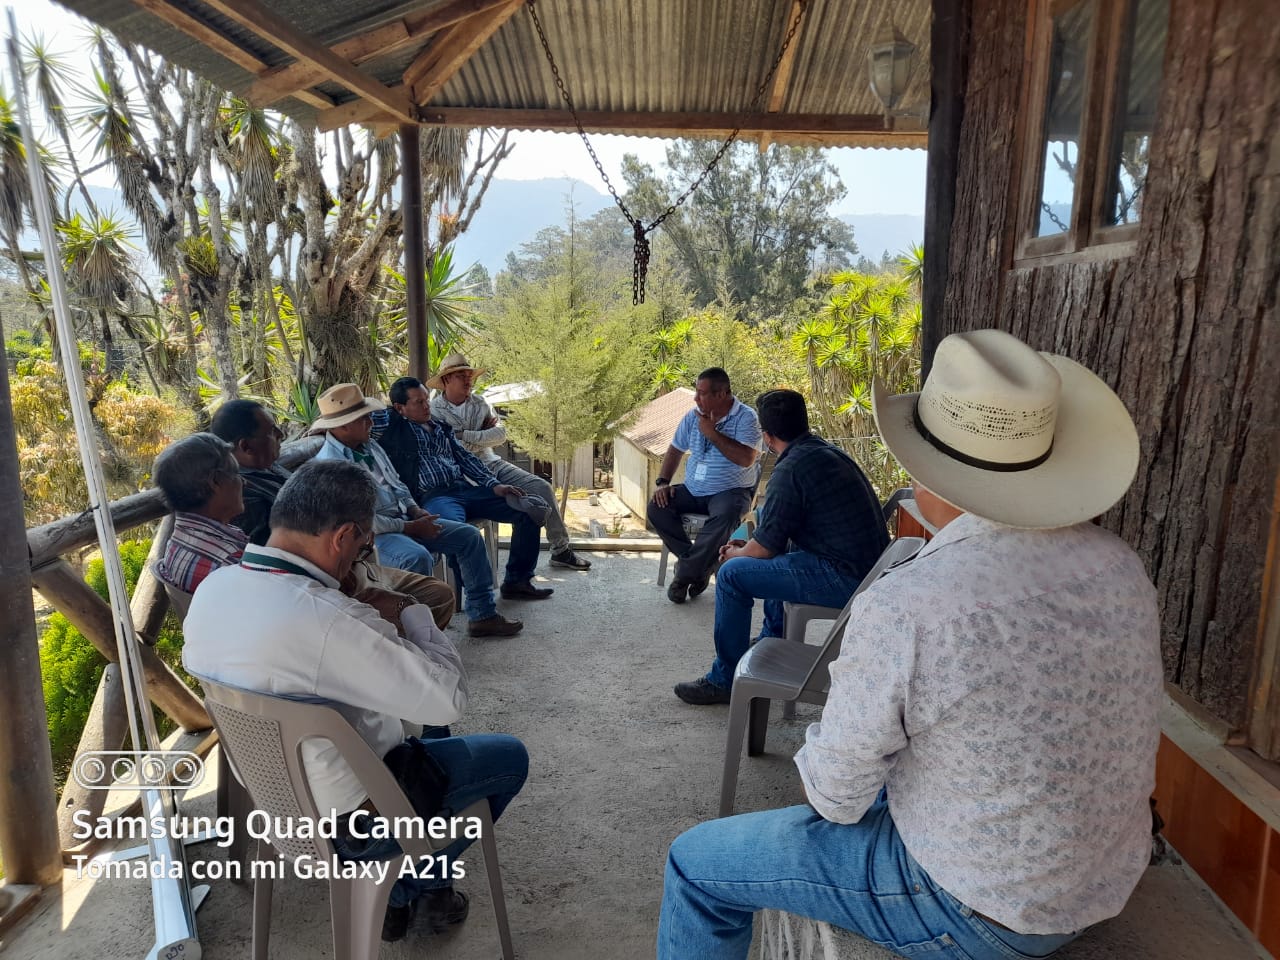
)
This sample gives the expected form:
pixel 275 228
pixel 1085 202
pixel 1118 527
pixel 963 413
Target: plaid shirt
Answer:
pixel 820 501
pixel 198 547
pixel 442 460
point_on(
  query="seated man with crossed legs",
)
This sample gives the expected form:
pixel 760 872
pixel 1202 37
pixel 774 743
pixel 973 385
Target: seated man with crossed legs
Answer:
pixel 722 437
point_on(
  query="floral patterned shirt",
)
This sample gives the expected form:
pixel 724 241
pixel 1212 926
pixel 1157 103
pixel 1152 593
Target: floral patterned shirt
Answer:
pixel 1003 687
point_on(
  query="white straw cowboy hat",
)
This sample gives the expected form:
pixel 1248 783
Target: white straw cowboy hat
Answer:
pixel 1024 438
pixel 453 363
pixel 341 404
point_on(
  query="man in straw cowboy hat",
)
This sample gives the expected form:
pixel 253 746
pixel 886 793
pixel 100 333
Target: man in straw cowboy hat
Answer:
pixel 478 427
pixel 406 535
pixel 979 781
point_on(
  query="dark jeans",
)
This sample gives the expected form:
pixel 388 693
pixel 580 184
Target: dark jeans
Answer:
pixel 464 502
pixel 492 765
pixel 696 558
pixel 798 576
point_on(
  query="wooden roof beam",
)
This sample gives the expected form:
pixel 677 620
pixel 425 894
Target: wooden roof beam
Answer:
pixel 782 76
pixel 279 32
pixel 201 32
pixel 281 82
pixel 793 127
pixel 436 65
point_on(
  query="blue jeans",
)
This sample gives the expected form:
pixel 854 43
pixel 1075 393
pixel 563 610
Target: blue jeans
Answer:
pixel 491 765
pixel 463 502
pixel 459 541
pixel 857 876
pixel 798 576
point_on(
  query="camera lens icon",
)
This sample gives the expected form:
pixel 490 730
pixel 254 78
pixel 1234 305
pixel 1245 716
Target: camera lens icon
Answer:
pixel 131 770
pixel 89 770
pixel 188 771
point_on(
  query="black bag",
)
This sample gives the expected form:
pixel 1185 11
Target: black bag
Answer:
pixel 419 774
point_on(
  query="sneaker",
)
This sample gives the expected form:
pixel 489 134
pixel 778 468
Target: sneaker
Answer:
pixel 395 923
pixel 698 587
pixel 702 692
pixel 524 590
pixel 495 626
pixel 443 908
pixel 567 558
pixel 678 590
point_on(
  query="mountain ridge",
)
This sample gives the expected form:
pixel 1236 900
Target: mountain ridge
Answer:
pixel 514 211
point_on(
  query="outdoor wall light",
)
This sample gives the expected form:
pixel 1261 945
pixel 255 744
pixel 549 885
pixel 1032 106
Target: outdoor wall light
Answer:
pixel 889 65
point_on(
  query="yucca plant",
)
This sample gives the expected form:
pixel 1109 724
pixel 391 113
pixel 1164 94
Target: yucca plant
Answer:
pixel 450 310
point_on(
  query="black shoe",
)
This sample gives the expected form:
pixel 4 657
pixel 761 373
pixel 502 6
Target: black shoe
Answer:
pixel 567 558
pixel 495 626
pixel 677 591
pixel 699 587
pixel 524 590
pixel 702 692
pixel 443 908
pixel 396 922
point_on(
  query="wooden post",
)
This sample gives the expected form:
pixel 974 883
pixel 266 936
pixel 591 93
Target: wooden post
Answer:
pixel 949 56
pixel 28 821
pixel 415 261
pixel 105 729
pixel 89 614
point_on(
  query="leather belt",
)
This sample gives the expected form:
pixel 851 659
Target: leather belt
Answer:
pixel 987 920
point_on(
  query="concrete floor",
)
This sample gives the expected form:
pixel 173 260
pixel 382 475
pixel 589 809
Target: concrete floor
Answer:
pixel 619 768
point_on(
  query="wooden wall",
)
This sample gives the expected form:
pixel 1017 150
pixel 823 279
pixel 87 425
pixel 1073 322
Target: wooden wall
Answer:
pixel 1186 328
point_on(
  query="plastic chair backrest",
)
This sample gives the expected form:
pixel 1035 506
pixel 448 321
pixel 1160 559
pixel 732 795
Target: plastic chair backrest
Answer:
pixel 891 505
pixel 898 551
pixel 263 737
pixel 180 600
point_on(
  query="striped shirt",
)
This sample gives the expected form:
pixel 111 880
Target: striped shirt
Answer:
pixel 709 471
pixel 198 547
pixel 442 459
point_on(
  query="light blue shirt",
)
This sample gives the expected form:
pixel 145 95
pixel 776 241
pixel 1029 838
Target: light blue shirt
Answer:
pixel 394 498
pixel 709 471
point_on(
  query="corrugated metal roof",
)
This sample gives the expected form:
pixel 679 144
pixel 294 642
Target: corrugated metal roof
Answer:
pixel 665 56
pixel 658 419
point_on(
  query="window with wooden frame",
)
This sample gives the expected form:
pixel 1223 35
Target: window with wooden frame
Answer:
pixel 1095 74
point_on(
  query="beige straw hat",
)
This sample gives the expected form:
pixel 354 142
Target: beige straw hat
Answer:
pixel 1020 437
pixel 451 364
pixel 341 404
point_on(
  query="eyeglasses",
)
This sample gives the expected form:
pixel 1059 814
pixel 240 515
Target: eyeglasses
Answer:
pixel 366 550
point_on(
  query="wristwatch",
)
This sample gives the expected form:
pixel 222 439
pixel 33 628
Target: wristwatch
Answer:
pixel 661 482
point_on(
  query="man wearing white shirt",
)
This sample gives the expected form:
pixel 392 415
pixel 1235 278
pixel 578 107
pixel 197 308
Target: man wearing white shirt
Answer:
pixel 978 784
pixel 277 624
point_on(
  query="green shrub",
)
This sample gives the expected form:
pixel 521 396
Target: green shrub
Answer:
pixel 70 666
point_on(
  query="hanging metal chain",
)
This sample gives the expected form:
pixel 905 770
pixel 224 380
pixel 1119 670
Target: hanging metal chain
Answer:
pixel 641 249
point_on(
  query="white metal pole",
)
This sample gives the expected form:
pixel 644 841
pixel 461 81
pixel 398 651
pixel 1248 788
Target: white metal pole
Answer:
pixel 171 897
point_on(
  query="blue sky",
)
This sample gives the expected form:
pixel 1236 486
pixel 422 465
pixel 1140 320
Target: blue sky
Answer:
pixel 877 181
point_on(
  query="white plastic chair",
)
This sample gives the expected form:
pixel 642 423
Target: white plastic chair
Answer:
pixel 779 669
pixel 263 735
